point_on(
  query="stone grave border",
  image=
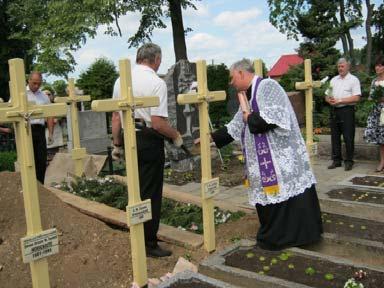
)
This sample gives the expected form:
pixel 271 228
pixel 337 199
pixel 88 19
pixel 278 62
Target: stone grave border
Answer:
pixel 368 211
pixel 348 182
pixel 214 266
pixel 189 275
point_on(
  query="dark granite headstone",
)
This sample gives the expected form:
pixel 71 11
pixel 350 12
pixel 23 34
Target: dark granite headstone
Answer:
pixel 298 103
pixel 185 118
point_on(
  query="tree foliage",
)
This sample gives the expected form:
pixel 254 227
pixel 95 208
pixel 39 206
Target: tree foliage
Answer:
pixel 98 79
pixel 60 86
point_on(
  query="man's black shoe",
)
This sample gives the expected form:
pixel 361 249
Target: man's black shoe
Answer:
pixel 334 165
pixel 348 166
pixel 157 252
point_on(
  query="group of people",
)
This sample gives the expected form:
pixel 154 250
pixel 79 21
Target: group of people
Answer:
pixel 342 95
pixel 281 183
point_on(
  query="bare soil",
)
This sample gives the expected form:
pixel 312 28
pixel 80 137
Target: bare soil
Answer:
pixel 191 284
pixel 92 254
pixel 352 194
pixel 353 227
pixel 293 269
pixel 374 181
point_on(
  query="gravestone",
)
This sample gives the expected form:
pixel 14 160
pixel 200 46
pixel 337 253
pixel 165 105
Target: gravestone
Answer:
pixel 184 118
pixel 58 139
pixel 93 132
pixel 297 99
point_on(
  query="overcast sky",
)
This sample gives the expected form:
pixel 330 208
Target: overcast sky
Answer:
pixel 223 31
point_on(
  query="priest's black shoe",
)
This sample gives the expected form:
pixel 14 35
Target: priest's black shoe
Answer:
pixel 157 252
pixel 348 166
pixel 334 165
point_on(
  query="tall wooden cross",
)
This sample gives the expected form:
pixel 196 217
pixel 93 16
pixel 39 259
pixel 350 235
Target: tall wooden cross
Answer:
pixel 78 153
pixel 138 211
pixel 37 244
pixel 209 186
pixel 308 86
pixel 258 66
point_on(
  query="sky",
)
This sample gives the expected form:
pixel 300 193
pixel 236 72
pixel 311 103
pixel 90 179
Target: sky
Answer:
pixel 224 31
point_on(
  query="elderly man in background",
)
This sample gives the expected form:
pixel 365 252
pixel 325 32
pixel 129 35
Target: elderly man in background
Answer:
pixel 343 94
pixel 35 95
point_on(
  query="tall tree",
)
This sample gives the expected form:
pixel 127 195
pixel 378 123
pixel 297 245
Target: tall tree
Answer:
pixel 368 24
pixel 343 16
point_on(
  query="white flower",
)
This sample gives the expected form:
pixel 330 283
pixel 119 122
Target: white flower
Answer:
pixel 379 83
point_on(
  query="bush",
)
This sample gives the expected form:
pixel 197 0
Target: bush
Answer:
pixel 7 160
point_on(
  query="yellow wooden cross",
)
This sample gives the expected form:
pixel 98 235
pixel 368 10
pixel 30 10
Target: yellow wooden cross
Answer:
pixel 308 86
pixel 258 66
pixel 19 112
pixel 209 186
pixel 78 153
pixel 137 211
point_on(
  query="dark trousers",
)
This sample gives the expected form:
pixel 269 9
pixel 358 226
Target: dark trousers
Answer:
pixel 39 151
pixel 151 158
pixel 343 123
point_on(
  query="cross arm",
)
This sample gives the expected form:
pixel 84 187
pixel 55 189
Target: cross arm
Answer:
pixel 306 85
pixel 33 111
pixel 73 99
pixel 191 98
pixel 110 105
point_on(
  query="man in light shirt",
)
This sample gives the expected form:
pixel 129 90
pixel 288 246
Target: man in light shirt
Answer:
pixel 151 129
pixel 343 94
pixel 35 95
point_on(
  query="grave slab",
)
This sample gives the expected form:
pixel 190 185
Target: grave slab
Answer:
pixel 118 217
pixel 194 280
pixel 215 266
pixel 348 182
pixel 62 165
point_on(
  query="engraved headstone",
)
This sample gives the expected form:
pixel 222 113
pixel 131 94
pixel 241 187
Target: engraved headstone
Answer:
pixel 184 118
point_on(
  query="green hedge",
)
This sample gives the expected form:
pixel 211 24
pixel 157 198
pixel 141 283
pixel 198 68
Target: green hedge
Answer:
pixel 7 160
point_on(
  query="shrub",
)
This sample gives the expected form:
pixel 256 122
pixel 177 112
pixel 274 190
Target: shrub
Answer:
pixel 7 160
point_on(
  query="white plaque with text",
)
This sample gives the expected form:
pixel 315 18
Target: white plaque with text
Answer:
pixel 39 245
pixel 139 213
pixel 211 188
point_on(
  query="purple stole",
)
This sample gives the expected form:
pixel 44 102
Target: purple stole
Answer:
pixel 263 152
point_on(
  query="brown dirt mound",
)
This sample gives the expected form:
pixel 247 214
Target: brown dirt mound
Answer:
pixel 92 254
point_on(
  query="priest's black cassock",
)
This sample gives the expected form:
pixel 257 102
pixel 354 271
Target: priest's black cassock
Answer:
pixel 288 210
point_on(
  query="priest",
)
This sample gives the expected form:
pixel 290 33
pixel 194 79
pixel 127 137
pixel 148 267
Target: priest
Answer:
pixel 277 171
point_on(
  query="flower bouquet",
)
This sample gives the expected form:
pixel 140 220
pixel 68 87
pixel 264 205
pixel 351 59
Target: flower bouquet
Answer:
pixel 377 91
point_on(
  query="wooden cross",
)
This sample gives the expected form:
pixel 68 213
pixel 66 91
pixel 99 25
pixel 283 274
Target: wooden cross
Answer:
pixel 19 112
pixel 209 186
pixel 137 211
pixel 308 86
pixel 78 153
pixel 258 66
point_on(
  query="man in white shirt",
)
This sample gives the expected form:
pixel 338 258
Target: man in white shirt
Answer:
pixel 152 127
pixel 35 95
pixel 343 94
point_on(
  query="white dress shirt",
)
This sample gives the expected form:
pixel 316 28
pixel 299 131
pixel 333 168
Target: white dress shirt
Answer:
pixel 343 87
pixel 39 98
pixel 145 83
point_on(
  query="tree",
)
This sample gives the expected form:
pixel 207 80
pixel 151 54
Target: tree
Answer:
pixel 10 47
pixel 60 86
pixel 152 15
pixel 98 79
pixel 378 37
pixel 288 17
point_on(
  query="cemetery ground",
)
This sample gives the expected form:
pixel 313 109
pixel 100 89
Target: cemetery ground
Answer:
pixel 93 254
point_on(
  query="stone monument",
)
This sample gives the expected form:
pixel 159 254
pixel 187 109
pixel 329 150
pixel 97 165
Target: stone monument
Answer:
pixel 185 118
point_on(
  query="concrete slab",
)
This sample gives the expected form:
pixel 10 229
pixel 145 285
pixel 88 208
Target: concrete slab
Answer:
pixel 188 277
pixel 118 217
pixel 214 266
pixel 62 165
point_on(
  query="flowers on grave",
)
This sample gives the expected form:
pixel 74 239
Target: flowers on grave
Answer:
pixel 359 275
pixel 351 283
pixel 377 90
pixel 329 276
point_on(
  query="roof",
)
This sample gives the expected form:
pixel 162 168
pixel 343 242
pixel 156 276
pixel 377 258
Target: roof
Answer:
pixel 284 63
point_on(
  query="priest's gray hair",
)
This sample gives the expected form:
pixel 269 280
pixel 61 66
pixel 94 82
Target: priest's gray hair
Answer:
pixel 149 52
pixel 343 60
pixel 243 65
